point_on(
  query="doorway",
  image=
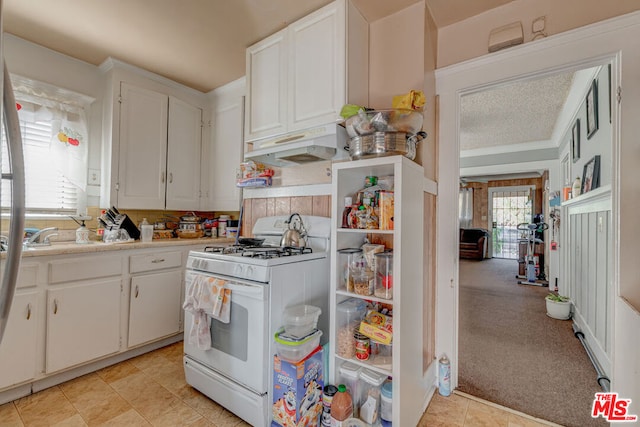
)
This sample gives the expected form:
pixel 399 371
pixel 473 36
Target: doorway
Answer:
pixel 498 319
pixel 508 207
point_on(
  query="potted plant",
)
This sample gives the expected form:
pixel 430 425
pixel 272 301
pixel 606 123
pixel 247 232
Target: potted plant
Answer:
pixel 558 306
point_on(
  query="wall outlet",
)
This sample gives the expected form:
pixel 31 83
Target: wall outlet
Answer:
pixel 94 177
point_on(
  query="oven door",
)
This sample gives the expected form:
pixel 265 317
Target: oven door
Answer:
pixel 238 348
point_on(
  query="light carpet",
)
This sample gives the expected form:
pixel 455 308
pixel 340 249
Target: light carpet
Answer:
pixel 513 354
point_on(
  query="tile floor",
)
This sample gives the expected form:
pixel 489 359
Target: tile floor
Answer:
pixel 151 390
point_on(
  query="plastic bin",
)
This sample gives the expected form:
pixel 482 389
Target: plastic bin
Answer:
pixel 370 395
pixel 350 377
pixel 349 314
pixel 301 320
pixel 294 349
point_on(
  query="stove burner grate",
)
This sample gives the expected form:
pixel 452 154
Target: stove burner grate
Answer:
pixel 261 251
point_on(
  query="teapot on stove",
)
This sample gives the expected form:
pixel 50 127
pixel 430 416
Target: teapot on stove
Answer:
pixel 296 235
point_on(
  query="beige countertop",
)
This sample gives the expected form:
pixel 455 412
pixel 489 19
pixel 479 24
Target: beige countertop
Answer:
pixel 59 248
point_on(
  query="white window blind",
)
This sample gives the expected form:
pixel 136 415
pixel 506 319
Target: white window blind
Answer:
pixel 47 190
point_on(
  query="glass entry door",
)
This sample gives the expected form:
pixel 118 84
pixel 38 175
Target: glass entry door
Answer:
pixel 508 207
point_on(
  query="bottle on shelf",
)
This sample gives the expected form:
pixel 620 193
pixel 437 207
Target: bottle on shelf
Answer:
pixel 348 201
pixel 577 186
pixel 341 406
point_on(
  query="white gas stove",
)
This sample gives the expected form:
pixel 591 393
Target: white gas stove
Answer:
pixel 264 280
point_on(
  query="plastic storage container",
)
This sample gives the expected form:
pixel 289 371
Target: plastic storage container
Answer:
pixel 346 259
pixel 222 225
pixel 146 231
pixel 384 275
pixel 349 314
pixel 349 375
pixel 301 320
pixel 294 349
pixel 232 232
pixel 386 404
pixel 370 395
pixel 363 282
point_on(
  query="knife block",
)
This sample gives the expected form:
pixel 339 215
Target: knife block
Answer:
pixel 126 224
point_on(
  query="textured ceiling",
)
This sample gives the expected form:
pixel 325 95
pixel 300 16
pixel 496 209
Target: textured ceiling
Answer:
pixel 200 43
pixel 512 114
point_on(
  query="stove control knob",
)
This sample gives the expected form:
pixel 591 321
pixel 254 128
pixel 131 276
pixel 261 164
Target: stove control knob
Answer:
pixel 250 271
pixel 238 269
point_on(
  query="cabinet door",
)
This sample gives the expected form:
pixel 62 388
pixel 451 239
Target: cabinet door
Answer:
pixel 154 306
pixel 316 91
pixel 142 156
pixel 226 154
pixel 19 344
pixel 183 155
pixel 83 323
pixel 267 87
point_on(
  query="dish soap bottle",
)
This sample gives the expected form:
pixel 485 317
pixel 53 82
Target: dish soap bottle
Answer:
pixel 82 234
pixel 575 190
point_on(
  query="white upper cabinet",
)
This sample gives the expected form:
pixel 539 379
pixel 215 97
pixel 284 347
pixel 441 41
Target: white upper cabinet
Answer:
pixel 296 77
pixel 267 87
pixel 152 141
pixel 143 148
pixel 159 158
pixel 184 142
pixel 316 89
pixel 225 152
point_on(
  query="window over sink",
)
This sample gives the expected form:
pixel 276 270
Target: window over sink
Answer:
pixel 55 140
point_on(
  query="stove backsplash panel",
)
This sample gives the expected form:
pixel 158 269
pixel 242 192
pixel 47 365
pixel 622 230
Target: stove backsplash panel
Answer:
pixel 270 206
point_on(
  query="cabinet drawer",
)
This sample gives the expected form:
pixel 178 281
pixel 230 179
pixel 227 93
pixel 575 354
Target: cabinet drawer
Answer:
pixel 83 268
pixel 154 261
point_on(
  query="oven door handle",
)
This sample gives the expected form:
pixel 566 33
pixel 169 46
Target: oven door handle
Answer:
pixel 244 288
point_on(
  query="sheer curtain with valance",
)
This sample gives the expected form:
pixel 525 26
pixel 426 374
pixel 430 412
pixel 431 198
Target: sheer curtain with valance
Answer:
pixel 465 207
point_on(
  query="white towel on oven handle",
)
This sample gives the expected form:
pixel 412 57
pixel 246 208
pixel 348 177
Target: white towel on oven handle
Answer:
pixel 206 298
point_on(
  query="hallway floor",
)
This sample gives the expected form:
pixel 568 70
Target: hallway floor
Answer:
pixel 151 390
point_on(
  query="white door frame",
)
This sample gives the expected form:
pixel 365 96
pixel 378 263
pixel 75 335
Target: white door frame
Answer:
pixel 581 48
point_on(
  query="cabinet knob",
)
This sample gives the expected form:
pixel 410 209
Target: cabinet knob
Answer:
pixel 55 306
pixel 28 311
pixel 137 291
pixel 157 260
pixel 162 177
pixel 170 177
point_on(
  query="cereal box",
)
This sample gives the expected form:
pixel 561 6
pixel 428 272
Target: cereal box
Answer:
pixel 386 210
pixel 297 391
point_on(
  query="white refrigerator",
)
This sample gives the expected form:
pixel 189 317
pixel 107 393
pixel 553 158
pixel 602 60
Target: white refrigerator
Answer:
pixel 12 249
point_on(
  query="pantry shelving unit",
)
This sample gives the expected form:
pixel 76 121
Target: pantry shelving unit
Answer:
pixel 406 240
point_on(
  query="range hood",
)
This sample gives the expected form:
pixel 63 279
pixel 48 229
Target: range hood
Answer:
pixel 310 145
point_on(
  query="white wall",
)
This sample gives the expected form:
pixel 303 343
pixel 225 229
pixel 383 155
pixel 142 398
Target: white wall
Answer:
pixel 600 141
pixel 470 38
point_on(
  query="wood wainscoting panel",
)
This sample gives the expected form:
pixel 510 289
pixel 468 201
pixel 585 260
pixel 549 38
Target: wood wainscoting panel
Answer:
pixel 270 206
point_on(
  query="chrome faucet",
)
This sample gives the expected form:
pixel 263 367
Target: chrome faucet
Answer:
pixel 41 238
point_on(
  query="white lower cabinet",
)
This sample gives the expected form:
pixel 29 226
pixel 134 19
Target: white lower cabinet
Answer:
pixel 18 351
pixel 154 310
pixel 83 323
